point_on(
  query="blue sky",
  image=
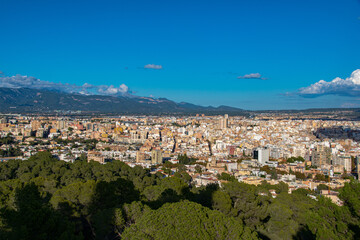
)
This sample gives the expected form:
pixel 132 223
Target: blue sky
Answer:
pixel 206 49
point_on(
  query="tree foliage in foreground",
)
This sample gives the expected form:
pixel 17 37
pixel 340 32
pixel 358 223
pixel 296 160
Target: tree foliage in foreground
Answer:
pixel 44 198
pixel 187 220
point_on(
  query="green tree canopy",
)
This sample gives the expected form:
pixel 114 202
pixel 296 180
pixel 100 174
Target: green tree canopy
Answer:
pixel 187 220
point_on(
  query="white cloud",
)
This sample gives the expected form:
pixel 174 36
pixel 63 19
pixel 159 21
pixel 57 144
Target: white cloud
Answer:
pixel 153 66
pixel 123 88
pixel 344 87
pixel 111 90
pixel 252 76
pixel 87 85
pixel 19 81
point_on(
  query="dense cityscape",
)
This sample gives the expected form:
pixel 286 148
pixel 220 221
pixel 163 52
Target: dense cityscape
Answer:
pixel 237 166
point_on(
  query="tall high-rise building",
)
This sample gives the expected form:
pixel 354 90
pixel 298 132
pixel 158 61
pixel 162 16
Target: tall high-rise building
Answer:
pixel 262 155
pixel 224 122
pixel 321 156
pixel 156 157
pixel 344 162
pixel 60 125
pixel 35 125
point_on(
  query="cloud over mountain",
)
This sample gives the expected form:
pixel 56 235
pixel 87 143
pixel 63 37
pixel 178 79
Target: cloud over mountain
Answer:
pixel 19 81
pixel 111 90
pixel 338 86
pixel 252 76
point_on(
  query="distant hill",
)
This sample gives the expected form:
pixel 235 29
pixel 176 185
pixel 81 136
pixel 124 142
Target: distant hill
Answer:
pixel 25 100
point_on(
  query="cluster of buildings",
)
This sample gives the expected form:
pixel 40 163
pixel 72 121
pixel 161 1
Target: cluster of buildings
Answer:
pixel 239 146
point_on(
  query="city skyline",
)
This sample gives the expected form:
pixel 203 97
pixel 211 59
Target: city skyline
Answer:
pixel 255 55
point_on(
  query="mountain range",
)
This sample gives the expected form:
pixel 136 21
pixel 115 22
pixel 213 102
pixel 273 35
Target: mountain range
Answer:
pixel 26 100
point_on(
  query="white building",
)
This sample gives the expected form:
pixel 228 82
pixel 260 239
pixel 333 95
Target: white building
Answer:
pixel 262 155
